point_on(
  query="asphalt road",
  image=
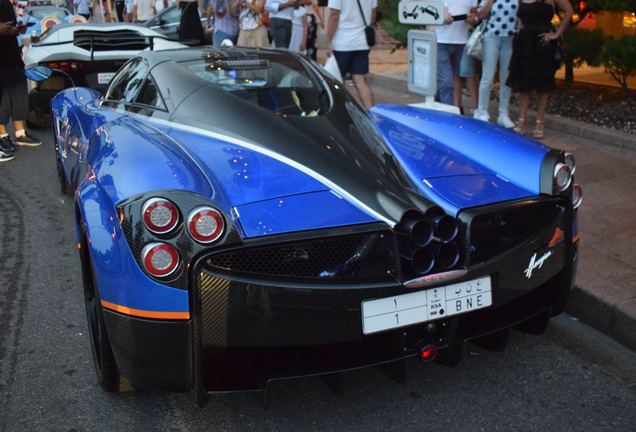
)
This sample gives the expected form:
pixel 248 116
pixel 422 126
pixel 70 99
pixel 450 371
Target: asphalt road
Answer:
pixel 572 378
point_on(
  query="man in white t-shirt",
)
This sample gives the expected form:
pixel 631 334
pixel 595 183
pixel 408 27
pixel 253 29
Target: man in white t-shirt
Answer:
pixel 451 39
pixel 348 42
pixel 162 4
pixel 143 10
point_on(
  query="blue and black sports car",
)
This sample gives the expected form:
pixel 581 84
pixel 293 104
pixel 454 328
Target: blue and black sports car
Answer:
pixel 241 219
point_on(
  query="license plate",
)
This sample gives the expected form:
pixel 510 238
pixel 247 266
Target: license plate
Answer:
pixel 105 77
pixel 427 305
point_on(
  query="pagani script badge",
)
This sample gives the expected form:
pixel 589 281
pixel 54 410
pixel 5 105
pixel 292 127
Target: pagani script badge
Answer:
pixel 536 263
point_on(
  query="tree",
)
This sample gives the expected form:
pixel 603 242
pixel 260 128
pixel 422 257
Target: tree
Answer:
pixel 580 47
pixel 574 40
pixel 619 58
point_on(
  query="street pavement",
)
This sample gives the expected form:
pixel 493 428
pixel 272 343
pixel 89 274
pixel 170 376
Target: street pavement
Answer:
pixel 573 378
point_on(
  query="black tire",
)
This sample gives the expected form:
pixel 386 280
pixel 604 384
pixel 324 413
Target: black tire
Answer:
pixel 64 187
pixel 105 366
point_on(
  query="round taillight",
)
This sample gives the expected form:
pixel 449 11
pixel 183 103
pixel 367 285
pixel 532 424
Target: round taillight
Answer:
pixel 205 224
pixel 562 177
pixel 160 215
pixel 570 162
pixel 159 259
pixel 577 195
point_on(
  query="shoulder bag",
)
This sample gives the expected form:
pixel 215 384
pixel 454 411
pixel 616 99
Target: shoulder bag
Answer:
pixel 475 43
pixel 369 31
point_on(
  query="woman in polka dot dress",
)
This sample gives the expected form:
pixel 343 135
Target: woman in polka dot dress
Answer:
pixel 501 20
pixel 533 63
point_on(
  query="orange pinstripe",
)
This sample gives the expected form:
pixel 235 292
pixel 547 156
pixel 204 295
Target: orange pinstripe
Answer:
pixel 144 313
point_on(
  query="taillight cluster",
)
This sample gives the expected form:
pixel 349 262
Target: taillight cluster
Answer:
pixel 162 218
pixel 67 66
pixel 563 177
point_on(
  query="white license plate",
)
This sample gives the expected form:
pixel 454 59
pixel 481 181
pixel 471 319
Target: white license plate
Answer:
pixel 105 77
pixel 427 305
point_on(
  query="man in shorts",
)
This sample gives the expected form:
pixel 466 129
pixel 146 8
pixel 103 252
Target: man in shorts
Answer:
pixel 348 42
pixel 13 86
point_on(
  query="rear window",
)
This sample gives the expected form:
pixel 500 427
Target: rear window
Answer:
pixel 274 81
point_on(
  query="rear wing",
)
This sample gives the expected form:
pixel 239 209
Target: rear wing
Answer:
pixel 122 40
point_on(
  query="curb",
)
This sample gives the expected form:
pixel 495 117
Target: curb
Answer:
pixel 615 320
pixel 571 127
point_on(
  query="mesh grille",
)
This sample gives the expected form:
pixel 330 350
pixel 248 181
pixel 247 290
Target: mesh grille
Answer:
pixel 493 233
pixel 359 258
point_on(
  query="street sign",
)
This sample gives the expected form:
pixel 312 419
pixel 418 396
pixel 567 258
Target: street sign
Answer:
pixel 422 12
pixel 422 73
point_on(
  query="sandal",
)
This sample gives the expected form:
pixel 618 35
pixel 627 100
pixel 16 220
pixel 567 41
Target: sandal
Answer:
pixel 521 125
pixel 538 130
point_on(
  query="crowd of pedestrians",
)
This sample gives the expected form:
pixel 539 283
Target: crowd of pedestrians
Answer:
pixel 13 86
pixel 519 42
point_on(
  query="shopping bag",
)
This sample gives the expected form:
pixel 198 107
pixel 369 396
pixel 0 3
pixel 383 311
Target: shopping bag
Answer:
pixel 331 66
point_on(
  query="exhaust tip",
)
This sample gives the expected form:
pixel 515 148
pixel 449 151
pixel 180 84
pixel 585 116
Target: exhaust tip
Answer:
pixel 423 261
pixel 422 233
pixel 445 228
pixel 447 256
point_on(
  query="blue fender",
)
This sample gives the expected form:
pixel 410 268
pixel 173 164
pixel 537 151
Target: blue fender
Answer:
pixel 118 277
pixel 460 162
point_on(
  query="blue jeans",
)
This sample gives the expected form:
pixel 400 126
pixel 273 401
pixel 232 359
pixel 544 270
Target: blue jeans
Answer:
pixel 281 31
pixel 219 37
pixel 497 50
pixel 468 65
pixel 448 58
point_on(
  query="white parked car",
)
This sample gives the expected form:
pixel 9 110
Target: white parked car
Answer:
pixel 84 55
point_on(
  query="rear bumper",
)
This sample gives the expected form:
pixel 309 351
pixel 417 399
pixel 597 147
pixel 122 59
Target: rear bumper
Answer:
pixel 244 334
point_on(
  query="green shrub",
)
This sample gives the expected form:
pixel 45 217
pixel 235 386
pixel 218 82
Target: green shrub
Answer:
pixel 391 23
pixel 583 46
pixel 619 58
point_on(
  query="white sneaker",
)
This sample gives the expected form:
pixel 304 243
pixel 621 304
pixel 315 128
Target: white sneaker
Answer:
pixel 504 120
pixel 481 115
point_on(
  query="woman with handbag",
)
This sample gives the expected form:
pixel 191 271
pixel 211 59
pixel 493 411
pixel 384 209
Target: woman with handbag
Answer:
pixel 500 18
pixel 536 56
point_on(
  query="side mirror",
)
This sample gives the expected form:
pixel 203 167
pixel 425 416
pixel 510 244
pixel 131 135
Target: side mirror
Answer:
pixel 38 73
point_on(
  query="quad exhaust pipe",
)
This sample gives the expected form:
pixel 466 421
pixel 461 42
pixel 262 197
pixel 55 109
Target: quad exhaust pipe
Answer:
pixel 425 240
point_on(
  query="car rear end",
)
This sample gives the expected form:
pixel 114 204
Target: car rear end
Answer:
pixel 84 56
pixel 332 300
